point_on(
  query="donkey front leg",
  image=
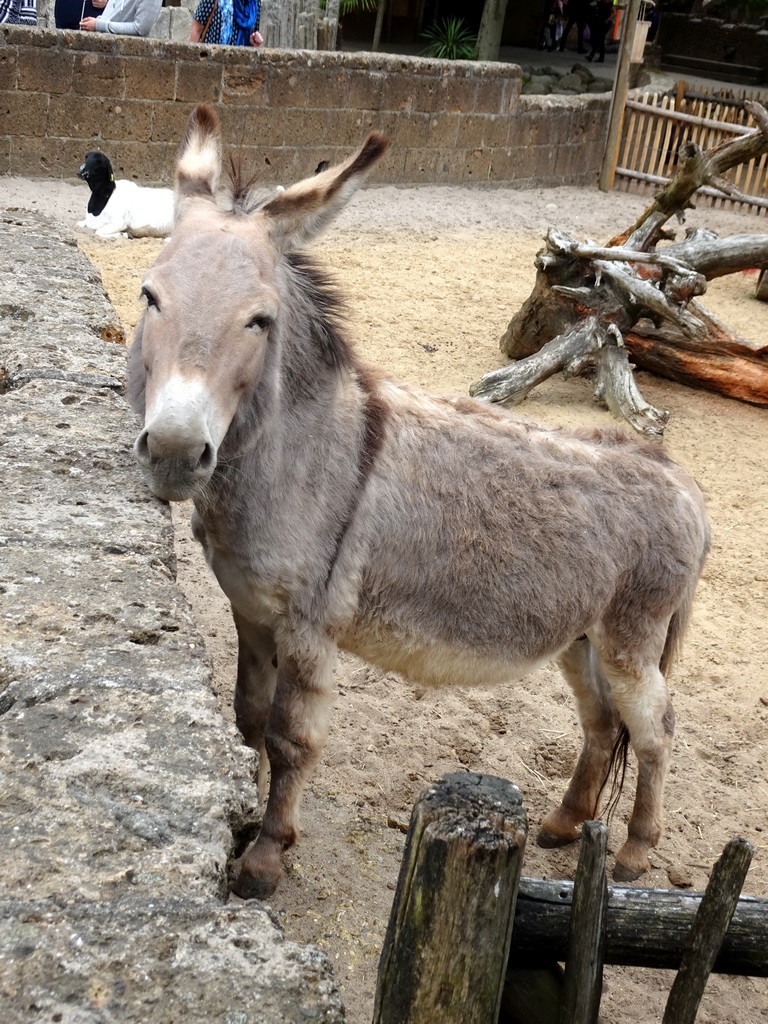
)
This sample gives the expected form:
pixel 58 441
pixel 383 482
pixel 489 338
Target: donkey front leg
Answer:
pixel 255 689
pixel 600 723
pixel 295 736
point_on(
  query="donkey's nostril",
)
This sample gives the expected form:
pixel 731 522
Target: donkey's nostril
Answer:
pixel 208 458
pixel 142 447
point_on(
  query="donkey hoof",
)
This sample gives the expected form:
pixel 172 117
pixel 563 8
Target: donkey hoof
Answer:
pixel 625 873
pixel 631 861
pixel 254 887
pixel 551 840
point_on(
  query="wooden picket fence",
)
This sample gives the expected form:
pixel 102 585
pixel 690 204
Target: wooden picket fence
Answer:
pixel 656 125
pixel 470 941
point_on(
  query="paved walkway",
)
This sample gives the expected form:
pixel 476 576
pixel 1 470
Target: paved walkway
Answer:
pixel 660 80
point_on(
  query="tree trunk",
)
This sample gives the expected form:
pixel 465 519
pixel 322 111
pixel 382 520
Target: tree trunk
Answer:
pixel 491 26
pixel 379 24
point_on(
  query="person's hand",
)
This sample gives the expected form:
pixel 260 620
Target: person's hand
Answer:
pixel 88 24
pixel 256 39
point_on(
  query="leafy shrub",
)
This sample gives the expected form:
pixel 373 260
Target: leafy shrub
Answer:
pixel 450 39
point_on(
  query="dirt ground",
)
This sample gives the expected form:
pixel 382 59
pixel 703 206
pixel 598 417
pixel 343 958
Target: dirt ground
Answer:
pixel 432 276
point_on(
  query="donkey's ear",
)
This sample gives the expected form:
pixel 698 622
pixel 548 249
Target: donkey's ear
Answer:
pixel 304 210
pixel 199 161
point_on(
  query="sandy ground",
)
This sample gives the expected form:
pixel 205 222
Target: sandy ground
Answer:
pixel 433 275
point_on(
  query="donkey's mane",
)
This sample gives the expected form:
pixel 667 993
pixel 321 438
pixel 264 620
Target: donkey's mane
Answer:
pixel 243 188
pixel 326 310
pixel 323 300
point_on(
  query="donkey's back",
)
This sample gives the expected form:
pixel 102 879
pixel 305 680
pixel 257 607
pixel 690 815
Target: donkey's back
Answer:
pixel 486 544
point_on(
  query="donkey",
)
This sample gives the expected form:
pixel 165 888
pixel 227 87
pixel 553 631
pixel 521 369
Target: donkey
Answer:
pixel 440 538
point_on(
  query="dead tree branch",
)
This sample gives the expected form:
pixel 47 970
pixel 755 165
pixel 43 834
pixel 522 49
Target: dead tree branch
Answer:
pixel 594 307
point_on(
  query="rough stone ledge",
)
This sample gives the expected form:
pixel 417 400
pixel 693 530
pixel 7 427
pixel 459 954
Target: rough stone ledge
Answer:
pixel 179 961
pixel 49 288
pixel 122 784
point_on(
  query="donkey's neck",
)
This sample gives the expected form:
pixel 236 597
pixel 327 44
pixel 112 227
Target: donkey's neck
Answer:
pixel 295 457
pixel 277 517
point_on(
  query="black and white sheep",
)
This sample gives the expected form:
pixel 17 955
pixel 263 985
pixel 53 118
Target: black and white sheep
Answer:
pixel 123 208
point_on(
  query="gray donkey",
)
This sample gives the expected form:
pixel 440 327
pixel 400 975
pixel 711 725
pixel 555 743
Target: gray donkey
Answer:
pixel 439 538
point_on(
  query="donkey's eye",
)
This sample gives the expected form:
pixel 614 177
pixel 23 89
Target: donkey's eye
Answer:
pixel 152 302
pixel 259 323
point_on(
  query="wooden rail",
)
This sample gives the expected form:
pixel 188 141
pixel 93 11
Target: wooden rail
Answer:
pixel 644 927
pixel 703 122
pixel 705 190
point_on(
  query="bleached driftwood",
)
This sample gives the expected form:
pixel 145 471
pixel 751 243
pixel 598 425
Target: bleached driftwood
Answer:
pixel 595 307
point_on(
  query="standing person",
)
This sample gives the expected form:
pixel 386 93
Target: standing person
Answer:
pixel 600 21
pixel 227 22
pixel 553 25
pixel 18 12
pixel 124 18
pixel 558 23
pixel 544 35
pixel 577 15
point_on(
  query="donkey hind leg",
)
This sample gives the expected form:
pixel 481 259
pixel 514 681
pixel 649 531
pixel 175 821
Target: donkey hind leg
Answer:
pixel 295 736
pixel 255 689
pixel 600 722
pixel 643 703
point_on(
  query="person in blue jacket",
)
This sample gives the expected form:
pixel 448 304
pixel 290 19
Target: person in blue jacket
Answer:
pixel 227 22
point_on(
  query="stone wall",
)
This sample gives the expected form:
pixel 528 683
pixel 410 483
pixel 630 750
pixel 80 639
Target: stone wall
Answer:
pixel 122 786
pixel 63 93
pixel 712 39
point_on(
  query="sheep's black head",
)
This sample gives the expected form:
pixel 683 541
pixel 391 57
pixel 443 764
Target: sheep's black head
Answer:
pixel 95 169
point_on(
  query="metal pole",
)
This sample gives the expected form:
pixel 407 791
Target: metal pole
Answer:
pixel 619 96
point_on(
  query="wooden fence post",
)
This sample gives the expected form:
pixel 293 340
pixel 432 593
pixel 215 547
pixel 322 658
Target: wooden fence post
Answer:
pixel 707 932
pixel 446 948
pixel 619 96
pixel 583 983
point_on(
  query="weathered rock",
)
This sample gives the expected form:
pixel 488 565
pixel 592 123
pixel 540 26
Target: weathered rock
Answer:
pixel 122 784
pixel 537 86
pixel 55 319
pixel 573 81
pixel 156 959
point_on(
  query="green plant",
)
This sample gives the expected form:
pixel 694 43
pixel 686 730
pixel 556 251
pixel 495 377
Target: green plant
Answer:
pixel 450 40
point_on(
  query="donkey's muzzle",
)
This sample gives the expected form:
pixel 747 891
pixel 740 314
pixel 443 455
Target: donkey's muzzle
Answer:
pixel 175 468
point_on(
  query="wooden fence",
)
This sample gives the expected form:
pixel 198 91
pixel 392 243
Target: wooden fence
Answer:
pixel 471 942
pixel 655 127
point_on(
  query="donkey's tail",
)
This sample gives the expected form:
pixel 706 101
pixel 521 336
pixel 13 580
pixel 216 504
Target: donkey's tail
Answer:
pixel 676 630
pixel 675 633
pixel 615 774
pixel 678 624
